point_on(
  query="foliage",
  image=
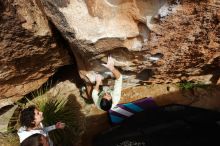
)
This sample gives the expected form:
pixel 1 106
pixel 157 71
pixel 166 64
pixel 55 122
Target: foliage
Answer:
pixel 13 123
pixel 57 108
pixel 61 108
pixel 190 85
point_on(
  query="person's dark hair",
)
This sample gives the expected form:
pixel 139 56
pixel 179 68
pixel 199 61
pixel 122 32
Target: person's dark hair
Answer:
pixel 105 104
pixel 27 117
pixel 33 140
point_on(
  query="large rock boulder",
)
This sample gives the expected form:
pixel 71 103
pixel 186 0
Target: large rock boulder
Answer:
pixel 153 41
pixel 29 52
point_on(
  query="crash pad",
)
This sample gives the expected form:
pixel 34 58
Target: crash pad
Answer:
pixel 125 110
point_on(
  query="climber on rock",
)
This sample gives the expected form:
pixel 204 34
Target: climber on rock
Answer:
pixel 104 97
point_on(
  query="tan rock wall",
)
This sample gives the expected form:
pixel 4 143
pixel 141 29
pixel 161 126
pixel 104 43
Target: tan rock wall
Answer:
pixel 153 41
pixel 29 53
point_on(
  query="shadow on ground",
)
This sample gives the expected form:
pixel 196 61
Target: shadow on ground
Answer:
pixel 205 98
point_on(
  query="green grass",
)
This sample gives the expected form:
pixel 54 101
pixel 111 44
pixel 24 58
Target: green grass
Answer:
pixel 190 85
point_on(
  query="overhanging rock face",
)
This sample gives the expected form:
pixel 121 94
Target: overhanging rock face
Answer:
pixel 153 41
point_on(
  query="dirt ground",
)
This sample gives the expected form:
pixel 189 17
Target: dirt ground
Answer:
pixel 163 94
pixel 97 121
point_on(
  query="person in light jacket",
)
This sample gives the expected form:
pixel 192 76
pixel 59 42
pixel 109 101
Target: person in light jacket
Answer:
pixel 31 123
pixel 107 99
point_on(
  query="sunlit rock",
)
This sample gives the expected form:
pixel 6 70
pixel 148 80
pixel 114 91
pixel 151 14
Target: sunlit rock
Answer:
pixel 29 53
pixel 184 33
pixel 134 31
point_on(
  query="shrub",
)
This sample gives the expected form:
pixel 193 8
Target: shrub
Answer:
pixel 65 109
pixel 190 85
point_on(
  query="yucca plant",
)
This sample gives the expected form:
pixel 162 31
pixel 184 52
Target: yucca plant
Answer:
pixel 55 107
pixel 65 109
pixel 13 123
